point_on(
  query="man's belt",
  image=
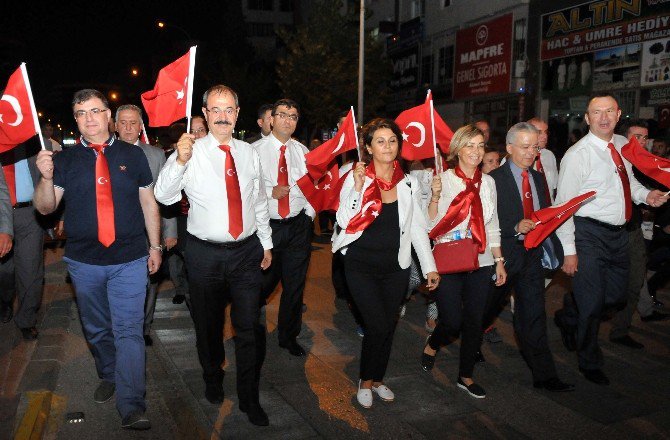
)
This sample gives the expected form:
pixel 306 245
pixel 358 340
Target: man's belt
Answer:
pixel 285 221
pixel 23 204
pixel 226 244
pixel 602 224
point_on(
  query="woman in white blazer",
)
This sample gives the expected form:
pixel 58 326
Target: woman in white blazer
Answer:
pixel 380 219
pixel 463 205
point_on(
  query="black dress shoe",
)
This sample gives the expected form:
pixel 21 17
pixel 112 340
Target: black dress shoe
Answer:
pixel 655 316
pixel 255 414
pixel 30 333
pixel 148 341
pixel 479 357
pixel 554 384
pixel 214 394
pixel 567 335
pixel 427 361
pixel 294 348
pixel 627 341
pixel 6 312
pixel 596 376
pixel 178 299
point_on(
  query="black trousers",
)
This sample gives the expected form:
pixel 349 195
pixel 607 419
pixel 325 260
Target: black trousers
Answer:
pixel 461 300
pixel 210 269
pixel 378 298
pixel 290 259
pixel 526 276
pixel 599 285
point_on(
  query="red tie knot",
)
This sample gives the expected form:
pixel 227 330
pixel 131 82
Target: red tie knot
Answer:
pixel 225 148
pixel 98 147
pixel 282 148
pixel 524 174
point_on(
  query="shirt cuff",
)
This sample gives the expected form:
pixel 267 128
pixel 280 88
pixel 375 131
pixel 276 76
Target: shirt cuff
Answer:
pixel 569 249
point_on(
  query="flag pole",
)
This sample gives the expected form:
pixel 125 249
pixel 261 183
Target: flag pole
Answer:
pixel 438 162
pixel 145 137
pixel 33 111
pixel 358 147
pixel 189 97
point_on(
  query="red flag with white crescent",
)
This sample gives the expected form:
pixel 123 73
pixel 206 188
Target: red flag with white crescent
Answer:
pixel 658 168
pixel 547 220
pixel 18 117
pixel 170 99
pixel 321 157
pixel 323 194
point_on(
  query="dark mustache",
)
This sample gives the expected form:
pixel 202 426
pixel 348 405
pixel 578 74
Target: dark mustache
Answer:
pixel 223 123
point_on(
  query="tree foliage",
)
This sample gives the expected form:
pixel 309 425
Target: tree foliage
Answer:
pixel 320 68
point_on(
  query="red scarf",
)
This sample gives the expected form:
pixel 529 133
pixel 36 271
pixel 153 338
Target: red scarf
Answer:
pixel 466 202
pixel 372 199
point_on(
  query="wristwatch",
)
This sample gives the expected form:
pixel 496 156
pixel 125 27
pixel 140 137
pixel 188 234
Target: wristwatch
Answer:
pixel 158 248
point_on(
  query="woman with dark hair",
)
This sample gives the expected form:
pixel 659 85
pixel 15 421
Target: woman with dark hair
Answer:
pixel 381 219
pixel 463 205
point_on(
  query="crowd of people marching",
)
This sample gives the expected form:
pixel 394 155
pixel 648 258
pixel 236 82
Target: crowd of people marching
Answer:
pixel 231 222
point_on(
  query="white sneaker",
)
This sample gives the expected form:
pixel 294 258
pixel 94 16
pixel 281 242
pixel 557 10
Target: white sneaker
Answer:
pixel 364 396
pixel 384 393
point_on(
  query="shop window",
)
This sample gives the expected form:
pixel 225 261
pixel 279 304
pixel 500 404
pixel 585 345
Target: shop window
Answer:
pixel 445 69
pixel 259 5
pixel 417 8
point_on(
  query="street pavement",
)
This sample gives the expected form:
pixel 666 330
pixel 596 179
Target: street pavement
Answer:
pixel 43 383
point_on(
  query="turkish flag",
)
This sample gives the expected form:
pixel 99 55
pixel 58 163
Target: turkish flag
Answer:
pixel 443 133
pixel 321 157
pixel 650 165
pixel 547 220
pixel 323 194
pixel 170 100
pixel 18 118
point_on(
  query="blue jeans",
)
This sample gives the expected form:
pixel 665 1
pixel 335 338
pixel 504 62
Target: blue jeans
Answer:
pixel 111 307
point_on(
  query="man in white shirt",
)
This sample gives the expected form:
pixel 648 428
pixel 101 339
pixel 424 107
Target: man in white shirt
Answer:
pixel 545 162
pixel 291 215
pixel 264 122
pixel 228 244
pixel 595 241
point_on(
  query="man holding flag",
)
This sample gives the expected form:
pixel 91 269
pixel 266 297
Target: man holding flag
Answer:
pixel 291 216
pixel 229 242
pixel 109 212
pixel 595 240
pixel 526 192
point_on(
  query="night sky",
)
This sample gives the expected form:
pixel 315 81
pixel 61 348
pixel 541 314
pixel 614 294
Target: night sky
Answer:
pixel 94 44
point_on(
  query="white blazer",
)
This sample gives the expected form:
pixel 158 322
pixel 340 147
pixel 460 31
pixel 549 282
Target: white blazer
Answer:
pixel 410 216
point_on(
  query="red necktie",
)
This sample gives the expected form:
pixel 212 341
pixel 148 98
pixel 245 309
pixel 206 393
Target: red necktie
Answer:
pixel 235 223
pixel 540 169
pixel 282 179
pixel 527 195
pixel 623 175
pixel 103 198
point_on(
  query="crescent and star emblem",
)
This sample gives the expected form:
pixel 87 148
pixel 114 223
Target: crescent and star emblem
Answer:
pixel 282 170
pixel 16 107
pixel 330 179
pixel 528 195
pixel 230 172
pixel 102 180
pixel 365 208
pixel 340 143
pixel 422 130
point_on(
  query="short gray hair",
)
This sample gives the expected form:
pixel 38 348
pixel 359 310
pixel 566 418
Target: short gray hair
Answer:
pixel 220 89
pixel 123 107
pixel 518 128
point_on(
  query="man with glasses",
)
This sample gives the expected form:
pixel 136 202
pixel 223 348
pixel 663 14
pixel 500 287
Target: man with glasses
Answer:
pixel 595 240
pixel 109 212
pixel 283 163
pixel 525 192
pixel 227 245
pixel 128 126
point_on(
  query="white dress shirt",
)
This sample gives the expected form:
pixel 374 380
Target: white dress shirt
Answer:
pixel 550 169
pixel 588 166
pixel 269 151
pixel 203 180
pixel 452 185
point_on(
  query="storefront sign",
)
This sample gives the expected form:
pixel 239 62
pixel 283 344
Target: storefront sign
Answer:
pixel 602 24
pixel 483 59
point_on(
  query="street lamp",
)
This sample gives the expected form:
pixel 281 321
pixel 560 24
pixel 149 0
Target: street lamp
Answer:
pixel 134 71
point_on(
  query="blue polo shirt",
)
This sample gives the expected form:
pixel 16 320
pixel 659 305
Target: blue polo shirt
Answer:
pixel 74 173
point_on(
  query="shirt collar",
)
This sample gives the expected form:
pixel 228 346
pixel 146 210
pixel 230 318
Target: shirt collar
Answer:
pixel 595 140
pixel 516 170
pixel 86 144
pixel 276 143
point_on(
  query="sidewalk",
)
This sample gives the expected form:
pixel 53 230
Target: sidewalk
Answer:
pixel 314 397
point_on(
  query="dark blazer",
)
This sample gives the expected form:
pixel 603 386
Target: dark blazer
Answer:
pixel 510 213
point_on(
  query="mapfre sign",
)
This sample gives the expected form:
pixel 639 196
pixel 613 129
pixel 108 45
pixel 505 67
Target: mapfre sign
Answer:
pixel 483 58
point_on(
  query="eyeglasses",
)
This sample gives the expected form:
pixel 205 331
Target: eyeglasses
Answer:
pixel 198 130
pixel 217 111
pixel 534 149
pixel 283 116
pixel 81 114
